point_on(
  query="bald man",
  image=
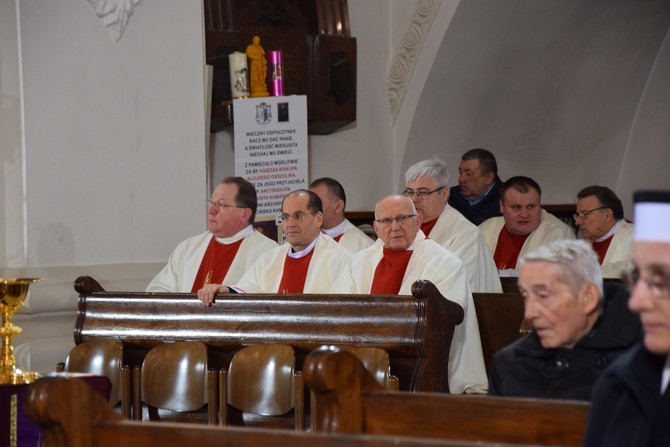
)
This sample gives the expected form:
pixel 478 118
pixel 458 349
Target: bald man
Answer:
pixel 404 256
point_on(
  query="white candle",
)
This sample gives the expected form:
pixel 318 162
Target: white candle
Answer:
pixel 238 75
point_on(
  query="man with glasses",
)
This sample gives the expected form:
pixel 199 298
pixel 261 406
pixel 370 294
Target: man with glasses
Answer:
pixel 406 256
pixel 478 191
pixel 600 220
pixel 523 226
pixel 335 225
pixel 631 401
pixel 308 262
pixel 580 326
pixel 223 252
pixel 426 184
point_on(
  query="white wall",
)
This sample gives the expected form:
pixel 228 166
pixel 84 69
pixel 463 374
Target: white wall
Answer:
pixel 12 204
pixel 115 132
pixel 564 92
pixel 104 167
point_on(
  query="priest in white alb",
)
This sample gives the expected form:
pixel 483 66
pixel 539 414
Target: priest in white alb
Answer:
pixel 523 226
pixel 401 256
pixel 335 225
pixel 308 262
pixel 222 253
pixel 427 184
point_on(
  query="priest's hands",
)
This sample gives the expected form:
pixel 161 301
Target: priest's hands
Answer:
pixel 208 293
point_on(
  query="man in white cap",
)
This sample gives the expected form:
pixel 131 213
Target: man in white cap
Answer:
pixel 631 401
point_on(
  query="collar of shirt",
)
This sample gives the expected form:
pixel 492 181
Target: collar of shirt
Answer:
pixel 302 253
pixel 480 198
pixel 247 231
pixel 616 227
pixel 665 378
pixel 337 229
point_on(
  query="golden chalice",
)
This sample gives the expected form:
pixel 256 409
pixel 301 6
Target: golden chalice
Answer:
pixel 13 292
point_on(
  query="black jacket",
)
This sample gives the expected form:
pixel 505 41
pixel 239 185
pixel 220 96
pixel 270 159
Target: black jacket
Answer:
pixel 488 207
pixel 628 409
pixel 526 369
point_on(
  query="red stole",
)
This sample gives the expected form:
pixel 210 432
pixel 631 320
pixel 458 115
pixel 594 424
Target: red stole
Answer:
pixel 337 238
pixel 295 274
pixel 427 227
pixel 601 248
pixel 215 263
pixel 508 249
pixel 389 272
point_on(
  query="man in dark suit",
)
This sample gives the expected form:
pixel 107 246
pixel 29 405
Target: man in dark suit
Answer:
pixel 477 195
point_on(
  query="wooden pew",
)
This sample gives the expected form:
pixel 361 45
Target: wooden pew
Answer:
pixel 71 414
pixel 349 400
pixel 500 316
pixel 415 330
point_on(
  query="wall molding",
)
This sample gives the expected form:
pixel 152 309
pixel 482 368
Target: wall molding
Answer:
pixel 404 61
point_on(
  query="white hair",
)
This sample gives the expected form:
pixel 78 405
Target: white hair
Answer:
pixel 433 167
pixel 578 261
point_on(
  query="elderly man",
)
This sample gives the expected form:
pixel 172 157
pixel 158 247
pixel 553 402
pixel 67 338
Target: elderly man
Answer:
pixel 631 401
pixel 578 329
pixel 225 251
pixel 523 226
pixel 307 263
pixel 406 256
pixel 426 184
pixel 334 200
pixel 600 220
pixel 478 191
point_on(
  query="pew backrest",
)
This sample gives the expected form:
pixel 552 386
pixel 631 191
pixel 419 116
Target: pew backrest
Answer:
pixel 71 414
pixel 415 330
pixel 500 316
pixel 349 401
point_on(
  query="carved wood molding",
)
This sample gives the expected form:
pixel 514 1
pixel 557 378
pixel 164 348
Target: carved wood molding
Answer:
pixel 114 14
pixel 403 63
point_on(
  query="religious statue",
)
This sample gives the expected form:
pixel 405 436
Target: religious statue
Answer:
pixel 257 69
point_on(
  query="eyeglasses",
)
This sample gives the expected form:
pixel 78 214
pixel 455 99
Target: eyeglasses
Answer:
pixel 658 284
pixel 421 193
pixel 298 217
pixel 220 205
pixel 582 215
pixel 400 218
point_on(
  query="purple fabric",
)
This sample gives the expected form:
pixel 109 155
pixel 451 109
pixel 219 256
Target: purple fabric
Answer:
pixel 27 431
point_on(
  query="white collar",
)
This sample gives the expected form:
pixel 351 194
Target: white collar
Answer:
pixel 338 229
pixel 616 227
pixel 665 378
pixel 245 232
pixel 302 253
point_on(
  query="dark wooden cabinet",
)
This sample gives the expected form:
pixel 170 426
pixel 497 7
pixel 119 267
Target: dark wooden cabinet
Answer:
pixel 319 54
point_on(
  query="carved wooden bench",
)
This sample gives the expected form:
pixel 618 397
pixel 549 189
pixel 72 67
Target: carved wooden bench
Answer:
pixel 415 330
pixel 72 414
pixel 349 400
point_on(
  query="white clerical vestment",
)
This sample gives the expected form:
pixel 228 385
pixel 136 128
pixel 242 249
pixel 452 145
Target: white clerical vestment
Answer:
pixel 619 256
pixel 182 267
pixel 352 238
pixel 460 236
pixel 265 274
pixel 551 229
pixel 438 265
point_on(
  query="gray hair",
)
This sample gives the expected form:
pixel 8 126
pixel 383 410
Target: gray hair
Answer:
pixel 434 168
pixel 578 262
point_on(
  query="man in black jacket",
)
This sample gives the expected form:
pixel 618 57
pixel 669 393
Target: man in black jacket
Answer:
pixel 477 195
pixel 578 329
pixel 631 401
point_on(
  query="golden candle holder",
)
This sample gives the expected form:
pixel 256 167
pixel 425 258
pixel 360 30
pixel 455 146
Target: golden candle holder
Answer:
pixel 13 293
